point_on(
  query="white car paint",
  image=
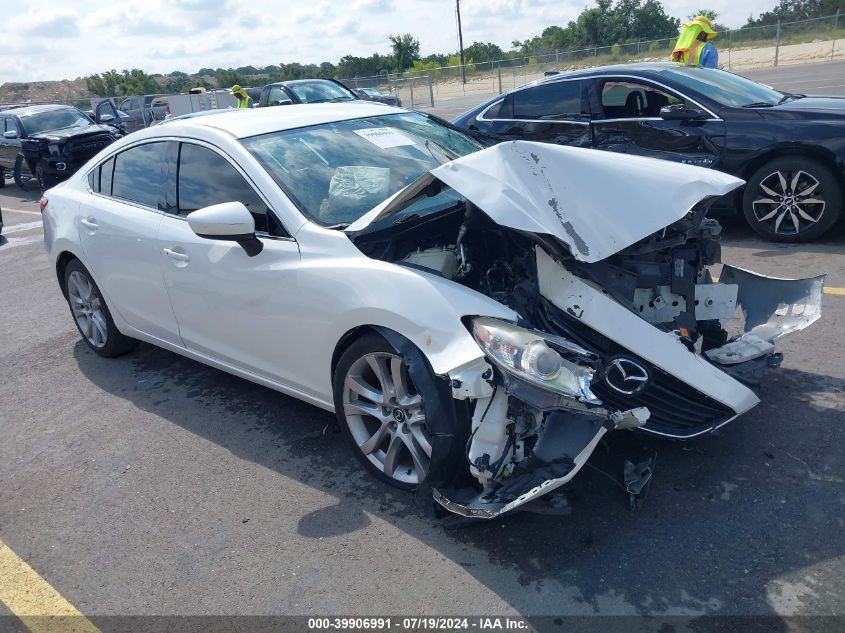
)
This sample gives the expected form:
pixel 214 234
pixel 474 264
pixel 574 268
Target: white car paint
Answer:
pixel 258 317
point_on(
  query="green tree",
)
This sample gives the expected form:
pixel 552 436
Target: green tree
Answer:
pixel 406 48
pixel 114 84
pixel 793 10
pixel 711 15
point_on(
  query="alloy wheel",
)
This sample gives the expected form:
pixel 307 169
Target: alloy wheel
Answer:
pixel 87 309
pixel 386 417
pixel 789 202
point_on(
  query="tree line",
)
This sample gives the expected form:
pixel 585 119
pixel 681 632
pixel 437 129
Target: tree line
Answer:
pixel 619 21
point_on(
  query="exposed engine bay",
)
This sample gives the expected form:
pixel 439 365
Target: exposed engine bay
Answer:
pixel 644 338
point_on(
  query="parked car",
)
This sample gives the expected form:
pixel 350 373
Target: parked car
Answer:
pixel 371 94
pixel 786 146
pixel 50 142
pixel 476 318
pixel 304 91
pixel 144 110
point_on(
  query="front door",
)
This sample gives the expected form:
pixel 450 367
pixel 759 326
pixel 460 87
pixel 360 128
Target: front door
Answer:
pixel 230 306
pixel 117 227
pixel 626 119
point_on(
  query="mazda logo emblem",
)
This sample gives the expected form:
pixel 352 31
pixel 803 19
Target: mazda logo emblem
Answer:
pixel 626 376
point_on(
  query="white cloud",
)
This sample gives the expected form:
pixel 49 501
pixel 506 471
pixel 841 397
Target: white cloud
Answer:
pixel 167 35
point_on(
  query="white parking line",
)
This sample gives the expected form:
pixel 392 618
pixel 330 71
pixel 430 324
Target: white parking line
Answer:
pixel 14 241
pixel 10 210
pixel 26 226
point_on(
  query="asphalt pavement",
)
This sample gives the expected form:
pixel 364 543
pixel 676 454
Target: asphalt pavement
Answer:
pixel 151 484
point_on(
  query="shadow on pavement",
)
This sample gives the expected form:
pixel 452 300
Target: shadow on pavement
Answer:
pixel 727 516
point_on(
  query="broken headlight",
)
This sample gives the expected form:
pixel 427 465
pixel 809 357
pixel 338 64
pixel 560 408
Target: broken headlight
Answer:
pixel 527 355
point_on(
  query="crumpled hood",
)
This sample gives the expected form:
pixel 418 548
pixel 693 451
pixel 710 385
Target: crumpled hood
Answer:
pixel 597 203
pixel 58 136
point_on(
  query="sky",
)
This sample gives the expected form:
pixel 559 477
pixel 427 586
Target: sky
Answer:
pixel 73 38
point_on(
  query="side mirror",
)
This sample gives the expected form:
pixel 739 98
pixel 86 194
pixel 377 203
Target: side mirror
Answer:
pixel 229 222
pixel 679 112
pixel 10 134
pixel 105 118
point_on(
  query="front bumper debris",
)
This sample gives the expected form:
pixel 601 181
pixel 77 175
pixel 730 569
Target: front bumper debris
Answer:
pixel 564 448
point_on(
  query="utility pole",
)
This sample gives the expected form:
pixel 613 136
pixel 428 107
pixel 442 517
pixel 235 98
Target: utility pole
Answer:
pixel 461 41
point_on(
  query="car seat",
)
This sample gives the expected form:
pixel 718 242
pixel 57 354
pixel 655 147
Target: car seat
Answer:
pixel 634 104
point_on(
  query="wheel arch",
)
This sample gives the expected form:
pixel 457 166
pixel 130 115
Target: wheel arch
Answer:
pixel 62 261
pixel 448 419
pixel 816 152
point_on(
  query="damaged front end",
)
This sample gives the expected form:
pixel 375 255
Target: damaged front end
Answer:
pixel 610 263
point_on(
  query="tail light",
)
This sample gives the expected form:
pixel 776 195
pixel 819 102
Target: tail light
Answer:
pixel 167 110
pixel 42 204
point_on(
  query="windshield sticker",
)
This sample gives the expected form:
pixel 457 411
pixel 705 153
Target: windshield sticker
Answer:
pixel 384 137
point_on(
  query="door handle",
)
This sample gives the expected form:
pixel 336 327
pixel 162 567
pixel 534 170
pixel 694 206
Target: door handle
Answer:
pixel 89 223
pixel 179 257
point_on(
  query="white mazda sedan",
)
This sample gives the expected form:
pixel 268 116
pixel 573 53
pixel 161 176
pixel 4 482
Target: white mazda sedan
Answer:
pixel 477 317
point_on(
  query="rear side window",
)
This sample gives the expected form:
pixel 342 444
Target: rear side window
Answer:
pixel 137 175
pixel 205 178
pixel 101 178
pixel 554 101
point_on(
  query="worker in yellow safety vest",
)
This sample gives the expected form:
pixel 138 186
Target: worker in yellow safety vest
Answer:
pixel 693 47
pixel 241 95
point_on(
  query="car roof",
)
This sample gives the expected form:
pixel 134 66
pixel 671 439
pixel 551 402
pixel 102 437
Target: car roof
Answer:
pixel 292 82
pixel 35 109
pixel 245 122
pixel 640 68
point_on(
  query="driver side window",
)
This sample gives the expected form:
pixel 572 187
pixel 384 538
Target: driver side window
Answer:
pixel 205 178
pixel 630 99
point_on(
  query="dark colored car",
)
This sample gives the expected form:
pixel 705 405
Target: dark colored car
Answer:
pixel 789 148
pixel 371 94
pixel 304 91
pixel 50 141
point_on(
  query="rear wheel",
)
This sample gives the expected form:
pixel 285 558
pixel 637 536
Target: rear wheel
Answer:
pixel 792 199
pixel 19 172
pixel 381 413
pixel 91 315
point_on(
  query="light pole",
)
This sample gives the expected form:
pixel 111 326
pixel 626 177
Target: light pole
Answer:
pixel 461 41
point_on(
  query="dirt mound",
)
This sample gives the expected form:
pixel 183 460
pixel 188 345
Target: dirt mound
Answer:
pixel 64 91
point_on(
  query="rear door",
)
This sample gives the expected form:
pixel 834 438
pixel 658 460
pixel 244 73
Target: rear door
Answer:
pixel 9 147
pixel 118 226
pixel 556 112
pixel 626 118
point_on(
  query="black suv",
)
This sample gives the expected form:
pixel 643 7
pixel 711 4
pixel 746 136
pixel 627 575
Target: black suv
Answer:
pixel 49 141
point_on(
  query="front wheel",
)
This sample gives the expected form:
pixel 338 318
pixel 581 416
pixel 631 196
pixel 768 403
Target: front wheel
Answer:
pixel 91 315
pixel 381 413
pixel 19 175
pixel 45 181
pixel 792 199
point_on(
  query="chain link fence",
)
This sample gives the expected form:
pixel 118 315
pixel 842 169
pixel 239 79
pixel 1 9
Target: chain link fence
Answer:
pixel 813 40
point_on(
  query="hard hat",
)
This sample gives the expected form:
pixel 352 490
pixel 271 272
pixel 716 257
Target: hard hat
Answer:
pixel 704 24
pixel 236 88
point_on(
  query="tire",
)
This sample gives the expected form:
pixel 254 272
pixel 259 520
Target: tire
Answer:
pixel 391 440
pixel 792 199
pixel 18 171
pixel 2 177
pixel 91 314
pixel 45 181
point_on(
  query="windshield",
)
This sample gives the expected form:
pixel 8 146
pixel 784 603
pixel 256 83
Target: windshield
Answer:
pixel 53 120
pixel 336 172
pixel 317 91
pixel 725 87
